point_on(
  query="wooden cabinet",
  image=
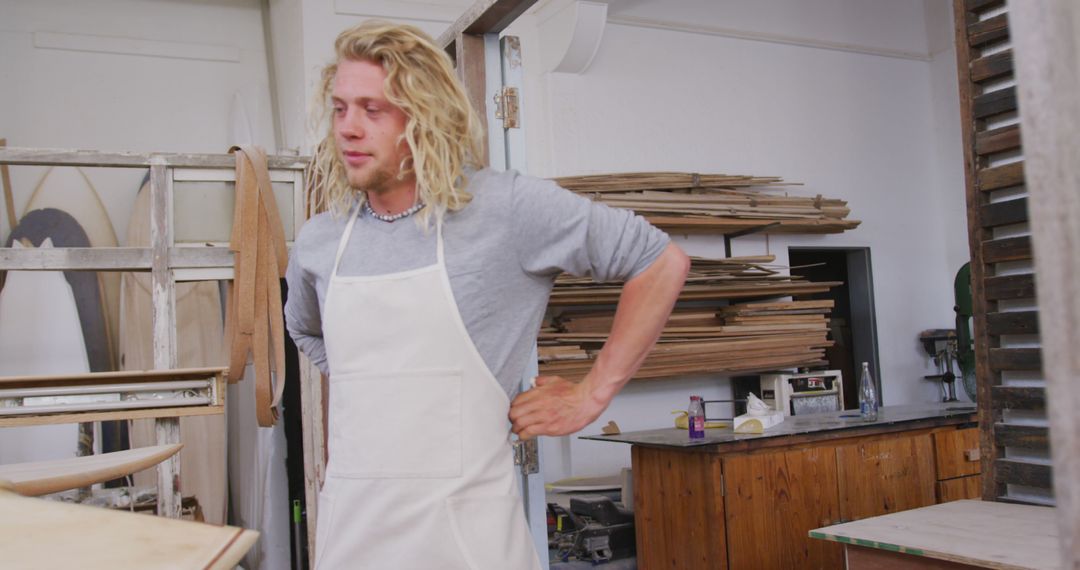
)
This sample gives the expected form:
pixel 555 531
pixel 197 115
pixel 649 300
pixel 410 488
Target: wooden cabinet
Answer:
pixel 773 500
pixel 751 504
pixel 882 476
pixel 957 457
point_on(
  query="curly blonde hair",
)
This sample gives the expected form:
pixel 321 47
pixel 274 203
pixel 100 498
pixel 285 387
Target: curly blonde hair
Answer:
pixel 442 129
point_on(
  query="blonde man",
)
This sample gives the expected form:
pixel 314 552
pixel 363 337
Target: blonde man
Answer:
pixel 425 328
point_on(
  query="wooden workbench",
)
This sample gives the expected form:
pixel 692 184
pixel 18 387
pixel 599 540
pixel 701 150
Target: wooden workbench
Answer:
pixel 957 535
pixel 750 500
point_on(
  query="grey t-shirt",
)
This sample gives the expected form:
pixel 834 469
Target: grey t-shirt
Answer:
pixel 503 252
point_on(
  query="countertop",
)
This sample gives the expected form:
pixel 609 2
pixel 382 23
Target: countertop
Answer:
pixel 833 423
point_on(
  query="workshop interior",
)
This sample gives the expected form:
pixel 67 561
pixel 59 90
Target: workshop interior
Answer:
pixel 877 198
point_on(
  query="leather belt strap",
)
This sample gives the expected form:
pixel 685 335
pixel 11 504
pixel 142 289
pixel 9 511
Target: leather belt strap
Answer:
pixel 253 323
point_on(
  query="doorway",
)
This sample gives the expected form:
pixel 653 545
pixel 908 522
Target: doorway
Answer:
pixel 852 324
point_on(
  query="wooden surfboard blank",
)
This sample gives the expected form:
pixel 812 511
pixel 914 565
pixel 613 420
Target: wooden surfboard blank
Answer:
pixel 36 533
pixel 44 477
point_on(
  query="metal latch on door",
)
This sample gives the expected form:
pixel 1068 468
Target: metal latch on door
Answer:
pixel 506 107
pixel 527 456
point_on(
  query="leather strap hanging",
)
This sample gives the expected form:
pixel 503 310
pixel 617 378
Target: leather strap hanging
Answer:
pixel 253 323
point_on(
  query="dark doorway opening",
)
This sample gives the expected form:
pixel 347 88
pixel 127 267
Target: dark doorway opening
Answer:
pixel 852 326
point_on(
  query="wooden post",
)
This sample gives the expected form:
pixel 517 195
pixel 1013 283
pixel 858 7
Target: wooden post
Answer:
pixel 470 70
pixel 1047 49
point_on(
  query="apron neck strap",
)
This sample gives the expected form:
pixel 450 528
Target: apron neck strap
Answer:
pixel 439 255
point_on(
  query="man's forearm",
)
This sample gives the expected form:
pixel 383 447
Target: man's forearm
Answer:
pixel 644 307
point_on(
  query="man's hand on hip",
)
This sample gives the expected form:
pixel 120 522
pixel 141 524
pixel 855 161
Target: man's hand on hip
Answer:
pixel 554 407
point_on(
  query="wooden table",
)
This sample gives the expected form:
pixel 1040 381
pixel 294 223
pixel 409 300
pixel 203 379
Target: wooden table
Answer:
pixel 748 500
pixel 961 534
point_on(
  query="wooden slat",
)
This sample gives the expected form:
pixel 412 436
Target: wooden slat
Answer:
pixel 1007 249
pixel 110 258
pixel 1010 287
pixel 992 66
pixel 1015 359
pixel 989 30
pixel 993 103
pixel 1003 176
pixel 1014 322
pixel 1018 398
pixel 997 140
pixel 982 5
pixel 1027 437
pixel 1011 471
pixel 1004 213
pixel 66 157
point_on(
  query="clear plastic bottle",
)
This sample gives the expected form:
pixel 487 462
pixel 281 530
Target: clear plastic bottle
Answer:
pixel 696 418
pixel 868 402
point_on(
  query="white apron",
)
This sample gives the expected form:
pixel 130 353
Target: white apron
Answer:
pixel 420 472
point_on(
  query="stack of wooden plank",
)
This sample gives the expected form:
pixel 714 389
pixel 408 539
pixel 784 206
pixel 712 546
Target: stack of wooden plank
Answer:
pixel 747 337
pixel 714 203
pixel 709 280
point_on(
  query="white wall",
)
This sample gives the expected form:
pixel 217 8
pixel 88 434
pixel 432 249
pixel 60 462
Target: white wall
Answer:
pixel 875 123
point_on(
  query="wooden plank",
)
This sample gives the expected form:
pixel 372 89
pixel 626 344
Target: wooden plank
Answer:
pixel 992 66
pixel 958 489
pixel 1016 322
pixel 1026 437
pixel 1007 249
pixel 1045 37
pixel 111 258
pixel 997 140
pixel 885 476
pixel 66 157
pixel 984 534
pixel 1010 287
pixel 988 30
pixel 152 413
pixel 1015 472
pixel 1018 398
pixel 471 72
pixel 45 477
pixel 773 500
pixel 977 234
pixel 994 103
pixel 956 453
pixel 484 17
pixel 982 5
pixel 678 509
pixel 1004 213
pixel 1004 176
pixel 1015 359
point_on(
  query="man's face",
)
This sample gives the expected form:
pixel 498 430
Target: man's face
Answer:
pixel 367 128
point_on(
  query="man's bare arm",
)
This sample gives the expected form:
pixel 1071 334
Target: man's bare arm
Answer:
pixel 560 407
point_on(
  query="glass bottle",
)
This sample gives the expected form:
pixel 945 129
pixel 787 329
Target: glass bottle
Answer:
pixel 868 402
pixel 696 418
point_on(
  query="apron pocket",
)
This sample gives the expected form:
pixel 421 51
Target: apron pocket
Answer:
pixel 400 424
pixel 492 532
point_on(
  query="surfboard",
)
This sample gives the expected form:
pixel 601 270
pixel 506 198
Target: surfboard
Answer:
pixel 199 342
pixel 42 330
pixel 69 190
pixel 36 533
pixel 44 477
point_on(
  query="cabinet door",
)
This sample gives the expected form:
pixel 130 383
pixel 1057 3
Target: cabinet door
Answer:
pixel 969 487
pixel 957 452
pixel 885 476
pixel 773 500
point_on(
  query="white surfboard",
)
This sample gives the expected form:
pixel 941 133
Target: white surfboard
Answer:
pixel 43 477
pixel 40 333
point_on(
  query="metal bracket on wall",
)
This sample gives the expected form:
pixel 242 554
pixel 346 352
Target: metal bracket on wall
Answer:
pixel 506 107
pixel 527 456
pixel 740 233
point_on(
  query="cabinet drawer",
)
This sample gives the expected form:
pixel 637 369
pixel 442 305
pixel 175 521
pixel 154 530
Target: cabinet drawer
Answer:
pixel 969 487
pixel 956 453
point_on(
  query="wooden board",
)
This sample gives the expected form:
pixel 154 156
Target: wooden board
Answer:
pixel 35 533
pixel 885 476
pixel 957 453
pixel 678 510
pixel 961 488
pixel 773 501
pixel 44 477
pixel 982 533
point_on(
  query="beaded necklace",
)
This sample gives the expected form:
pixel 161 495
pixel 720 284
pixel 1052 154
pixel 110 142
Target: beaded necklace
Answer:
pixel 389 218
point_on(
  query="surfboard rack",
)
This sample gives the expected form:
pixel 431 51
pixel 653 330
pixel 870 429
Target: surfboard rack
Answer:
pixel 104 396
